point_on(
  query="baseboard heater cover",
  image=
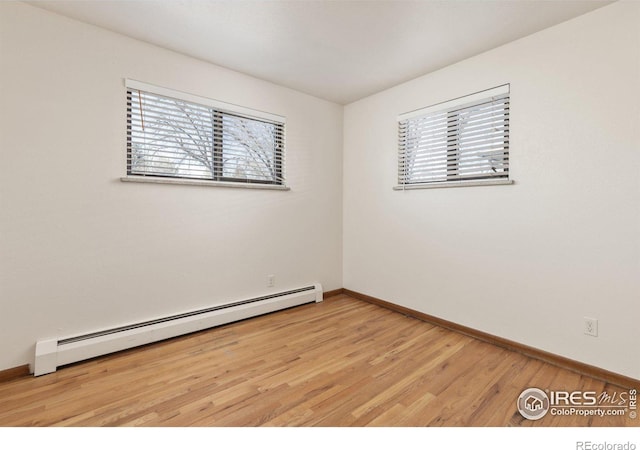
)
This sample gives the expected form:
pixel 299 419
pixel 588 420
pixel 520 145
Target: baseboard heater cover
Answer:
pixel 55 352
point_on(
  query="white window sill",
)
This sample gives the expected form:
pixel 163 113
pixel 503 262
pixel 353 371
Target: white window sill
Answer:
pixel 448 184
pixel 228 184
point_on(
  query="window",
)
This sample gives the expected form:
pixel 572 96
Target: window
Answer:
pixel 172 135
pixel 459 142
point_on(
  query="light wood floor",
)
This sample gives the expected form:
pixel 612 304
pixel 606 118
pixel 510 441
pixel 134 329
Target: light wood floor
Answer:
pixel 342 362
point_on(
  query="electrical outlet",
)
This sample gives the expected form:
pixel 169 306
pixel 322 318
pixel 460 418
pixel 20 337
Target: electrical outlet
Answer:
pixel 591 326
pixel 271 280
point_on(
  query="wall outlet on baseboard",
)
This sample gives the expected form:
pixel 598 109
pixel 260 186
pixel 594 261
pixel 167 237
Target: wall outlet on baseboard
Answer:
pixel 271 280
pixel 591 326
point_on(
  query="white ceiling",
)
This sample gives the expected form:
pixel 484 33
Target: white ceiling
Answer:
pixel 337 50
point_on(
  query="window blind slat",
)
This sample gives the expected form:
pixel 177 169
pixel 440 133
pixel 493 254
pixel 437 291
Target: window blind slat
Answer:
pixel 150 119
pixel 497 167
pixel 495 159
pixel 454 142
pixel 169 135
pixel 453 126
pixel 431 120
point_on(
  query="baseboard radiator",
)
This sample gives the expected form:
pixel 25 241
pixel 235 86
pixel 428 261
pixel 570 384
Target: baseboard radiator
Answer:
pixel 53 353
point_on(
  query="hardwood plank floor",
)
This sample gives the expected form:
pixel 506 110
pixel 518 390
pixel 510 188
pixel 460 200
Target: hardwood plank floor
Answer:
pixel 342 362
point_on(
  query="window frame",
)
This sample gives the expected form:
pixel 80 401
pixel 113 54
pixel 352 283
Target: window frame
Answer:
pixel 220 111
pixel 449 114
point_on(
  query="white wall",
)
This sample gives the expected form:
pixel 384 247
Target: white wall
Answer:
pixel 525 262
pixel 80 250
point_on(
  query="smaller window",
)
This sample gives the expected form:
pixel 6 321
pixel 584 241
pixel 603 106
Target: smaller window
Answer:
pixel 173 135
pixel 459 142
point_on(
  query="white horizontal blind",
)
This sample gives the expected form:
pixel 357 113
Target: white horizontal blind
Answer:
pixel 463 140
pixel 177 138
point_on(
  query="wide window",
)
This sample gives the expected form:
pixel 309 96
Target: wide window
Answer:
pixel 463 141
pixel 180 136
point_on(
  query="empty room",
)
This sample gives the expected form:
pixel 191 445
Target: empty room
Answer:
pixel 320 214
